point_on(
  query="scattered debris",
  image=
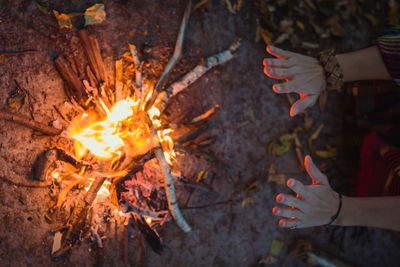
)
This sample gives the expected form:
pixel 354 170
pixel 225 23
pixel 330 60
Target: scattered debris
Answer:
pixel 330 152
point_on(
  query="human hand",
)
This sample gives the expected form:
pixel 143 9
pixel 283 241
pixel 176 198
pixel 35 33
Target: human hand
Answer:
pixel 314 205
pixel 303 74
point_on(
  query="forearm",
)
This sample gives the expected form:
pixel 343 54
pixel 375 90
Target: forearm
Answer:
pixel 381 212
pixel 365 64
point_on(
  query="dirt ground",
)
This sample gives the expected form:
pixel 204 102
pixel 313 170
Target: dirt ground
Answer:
pixel 251 116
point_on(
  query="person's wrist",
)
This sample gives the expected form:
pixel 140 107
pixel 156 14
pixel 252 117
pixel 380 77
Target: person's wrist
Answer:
pixel 343 216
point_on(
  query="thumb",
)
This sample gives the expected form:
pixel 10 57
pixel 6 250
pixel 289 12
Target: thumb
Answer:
pixel 316 175
pixel 304 102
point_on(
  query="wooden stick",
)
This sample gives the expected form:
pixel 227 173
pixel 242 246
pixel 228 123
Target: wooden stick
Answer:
pixel 197 72
pixel 17 53
pixel 93 54
pixel 28 122
pixel 178 48
pixel 170 192
pixel 70 77
pixel 31 185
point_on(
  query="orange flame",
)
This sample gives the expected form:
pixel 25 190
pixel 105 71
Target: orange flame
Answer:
pixel 123 129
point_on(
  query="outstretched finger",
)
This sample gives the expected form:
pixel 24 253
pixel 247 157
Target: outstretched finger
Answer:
pixel 316 175
pixel 286 212
pixel 278 73
pixel 304 102
pixel 287 87
pixel 289 200
pixel 278 63
pixel 297 186
pixel 280 53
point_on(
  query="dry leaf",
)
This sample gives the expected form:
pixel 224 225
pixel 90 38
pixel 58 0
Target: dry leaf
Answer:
pixel 274 177
pixel 374 21
pixel 300 25
pixel 276 248
pixel 16 101
pixel 330 152
pixel 201 176
pixel 334 25
pixel 271 259
pixel 308 122
pixel 247 201
pixel 200 3
pixel 95 14
pixel 322 100
pixel 280 146
pixel 314 136
pixel 310 4
pixel 393 19
pixel 266 35
pixel 252 188
pixel 42 9
pixel 56 242
pixel 64 20
pixel 2 57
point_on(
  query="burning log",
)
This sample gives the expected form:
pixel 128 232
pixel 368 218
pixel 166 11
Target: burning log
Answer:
pixel 28 122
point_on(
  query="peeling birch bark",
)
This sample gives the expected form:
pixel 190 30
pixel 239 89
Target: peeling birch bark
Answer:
pixel 189 78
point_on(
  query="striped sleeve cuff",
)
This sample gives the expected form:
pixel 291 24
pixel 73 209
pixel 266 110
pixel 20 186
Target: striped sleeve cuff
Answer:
pixel 389 46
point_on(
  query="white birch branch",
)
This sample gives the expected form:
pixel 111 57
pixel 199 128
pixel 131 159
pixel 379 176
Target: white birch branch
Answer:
pixel 189 78
pixel 170 192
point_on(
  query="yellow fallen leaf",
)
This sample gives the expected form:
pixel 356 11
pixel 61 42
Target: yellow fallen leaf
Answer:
pixel 64 20
pixel 330 152
pixel 276 248
pixel 280 146
pixel 42 9
pixel 201 176
pixel 247 201
pixel 266 35
pixel 95 14
pixel 374 21
pixel 300 25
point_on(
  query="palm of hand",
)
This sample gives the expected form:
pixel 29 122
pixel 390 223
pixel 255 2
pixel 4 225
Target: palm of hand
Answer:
pixel 303 74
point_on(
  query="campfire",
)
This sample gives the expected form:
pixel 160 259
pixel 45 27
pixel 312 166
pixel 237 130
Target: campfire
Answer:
pixel 115 160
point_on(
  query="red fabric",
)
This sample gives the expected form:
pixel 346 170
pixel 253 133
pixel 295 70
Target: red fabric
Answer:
pixel 375 169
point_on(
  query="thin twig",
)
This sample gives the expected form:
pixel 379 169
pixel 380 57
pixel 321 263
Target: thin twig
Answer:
pixel 227 202
pixel 17 53
pixel 40 185
pixel 178 48
pixel 28 122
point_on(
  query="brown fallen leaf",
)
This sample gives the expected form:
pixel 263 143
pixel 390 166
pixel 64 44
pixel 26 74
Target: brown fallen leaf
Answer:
pixel 323 96
pixel 273 177
pixel 393 17
pixel 313 137
pixel 308 122
pixel 334 25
